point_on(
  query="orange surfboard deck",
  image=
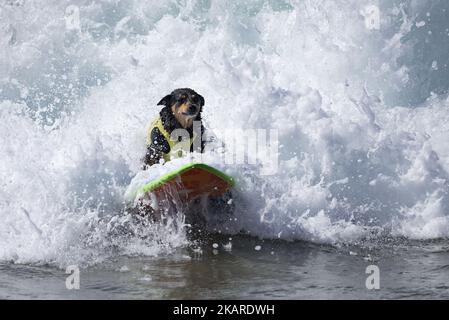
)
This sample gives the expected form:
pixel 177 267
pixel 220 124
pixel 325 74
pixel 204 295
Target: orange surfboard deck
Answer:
pixel 191 181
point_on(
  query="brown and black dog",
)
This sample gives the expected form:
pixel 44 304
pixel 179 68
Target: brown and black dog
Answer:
pixel 181 108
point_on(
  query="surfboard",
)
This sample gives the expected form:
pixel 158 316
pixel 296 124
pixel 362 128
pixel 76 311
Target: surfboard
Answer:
pixel 190 182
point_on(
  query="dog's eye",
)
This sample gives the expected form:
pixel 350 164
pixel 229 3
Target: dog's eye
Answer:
pixel 195 99
pixel 183 97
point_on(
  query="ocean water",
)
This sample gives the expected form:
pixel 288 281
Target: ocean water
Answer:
pixel 359 102
pixel 249 269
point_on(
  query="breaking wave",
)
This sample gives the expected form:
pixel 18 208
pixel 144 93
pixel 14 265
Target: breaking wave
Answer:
pixel 362 116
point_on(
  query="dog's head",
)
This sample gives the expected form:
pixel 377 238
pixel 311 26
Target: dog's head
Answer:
pixel 185 104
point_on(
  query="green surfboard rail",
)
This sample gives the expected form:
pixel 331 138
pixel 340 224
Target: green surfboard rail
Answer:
pixel 171 175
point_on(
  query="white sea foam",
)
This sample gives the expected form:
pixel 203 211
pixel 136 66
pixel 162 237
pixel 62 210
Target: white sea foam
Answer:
pixel 361 153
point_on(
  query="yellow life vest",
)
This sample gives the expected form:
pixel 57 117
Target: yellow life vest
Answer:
pixel 177 148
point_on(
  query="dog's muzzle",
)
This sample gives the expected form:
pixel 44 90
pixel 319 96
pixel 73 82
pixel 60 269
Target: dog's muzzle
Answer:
pixel 192 111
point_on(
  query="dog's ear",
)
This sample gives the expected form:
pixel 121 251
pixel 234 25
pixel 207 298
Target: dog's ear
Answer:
pixel 201 100
pixel 166 101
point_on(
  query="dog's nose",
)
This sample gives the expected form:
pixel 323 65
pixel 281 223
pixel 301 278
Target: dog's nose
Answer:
pixel 192 108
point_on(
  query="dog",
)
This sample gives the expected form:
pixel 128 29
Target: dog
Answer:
pixel 181 108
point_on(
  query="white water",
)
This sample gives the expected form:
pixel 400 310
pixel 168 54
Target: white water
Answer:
pixel 362 151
